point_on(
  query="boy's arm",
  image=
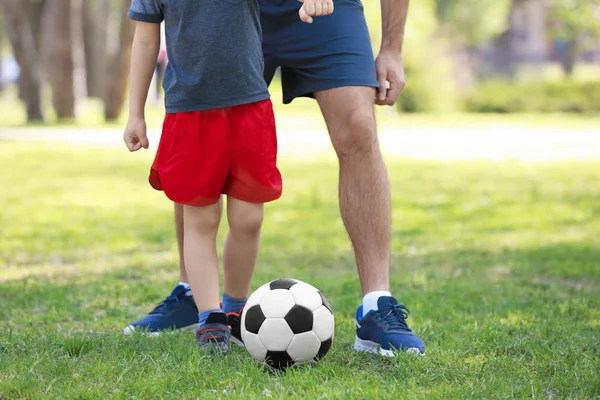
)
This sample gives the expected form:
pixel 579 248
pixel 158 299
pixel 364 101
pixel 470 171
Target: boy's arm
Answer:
pixel 314 8
pixel 144 53
pixel 389 60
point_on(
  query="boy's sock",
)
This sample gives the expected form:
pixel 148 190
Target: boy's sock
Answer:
pixel 231 304
pixel 203 316
pixel 370 300
pixel 188 288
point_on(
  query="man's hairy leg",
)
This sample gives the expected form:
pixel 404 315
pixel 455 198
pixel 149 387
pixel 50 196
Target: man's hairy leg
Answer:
pixel 364 190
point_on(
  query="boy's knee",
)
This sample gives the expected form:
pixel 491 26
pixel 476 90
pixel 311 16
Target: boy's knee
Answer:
pixel 246 222
pixel 202 220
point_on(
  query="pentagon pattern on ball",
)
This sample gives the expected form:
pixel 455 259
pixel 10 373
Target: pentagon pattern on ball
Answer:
pixel 306 295
pixel 283 283
pixel 300 319
pixel 254 319
pixel 304 347
pixel 279 359
pixel 287 322
pixel 255 347
pixel 258 295
pixel 324 324
pixel 325 346
pixel 275 334
pixel 277 303
pixel 325 302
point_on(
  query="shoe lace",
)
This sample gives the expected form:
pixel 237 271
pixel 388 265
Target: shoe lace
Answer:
pixel 235 314
pixel 214 334
pixel 395 316
pixel 166 304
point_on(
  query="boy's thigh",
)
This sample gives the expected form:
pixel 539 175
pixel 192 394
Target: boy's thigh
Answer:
pixel 253 175
pixel 333 51
pixel 192 161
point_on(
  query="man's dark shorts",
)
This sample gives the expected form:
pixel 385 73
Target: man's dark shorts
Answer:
pixel 333 51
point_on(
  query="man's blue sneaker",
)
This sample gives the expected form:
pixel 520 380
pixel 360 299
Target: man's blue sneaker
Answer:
pixel 214 335
pixel 178 311
pixel 385 330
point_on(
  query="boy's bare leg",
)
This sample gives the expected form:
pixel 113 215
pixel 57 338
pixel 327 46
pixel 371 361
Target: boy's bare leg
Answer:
pixel 201 225
pixel 241 246
pixel 179 229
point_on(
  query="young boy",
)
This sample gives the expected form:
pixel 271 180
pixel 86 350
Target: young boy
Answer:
pixel 218 138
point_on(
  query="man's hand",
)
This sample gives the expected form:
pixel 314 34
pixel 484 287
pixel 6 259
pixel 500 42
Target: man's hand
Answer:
pixel 135 134
pixel 314 8
pixel 389 69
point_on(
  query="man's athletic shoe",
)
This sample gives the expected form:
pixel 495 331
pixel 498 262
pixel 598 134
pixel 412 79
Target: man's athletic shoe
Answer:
pixel 213 336
pixel 385 330
pixel 178 311
pixel 234 320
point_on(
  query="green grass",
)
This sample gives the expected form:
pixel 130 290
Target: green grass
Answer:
pixel 498 263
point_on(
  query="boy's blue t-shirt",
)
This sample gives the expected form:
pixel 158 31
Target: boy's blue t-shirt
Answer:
pixel 214 49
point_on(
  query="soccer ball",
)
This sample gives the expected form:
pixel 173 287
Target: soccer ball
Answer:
pixel 287 322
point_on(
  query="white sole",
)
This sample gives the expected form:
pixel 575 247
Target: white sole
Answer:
pixel 368 346
pixel 131 330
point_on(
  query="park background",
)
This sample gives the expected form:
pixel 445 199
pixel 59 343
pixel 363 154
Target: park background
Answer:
pixel 492 153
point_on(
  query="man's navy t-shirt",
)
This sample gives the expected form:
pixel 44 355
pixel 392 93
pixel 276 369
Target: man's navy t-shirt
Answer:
pixel 214 51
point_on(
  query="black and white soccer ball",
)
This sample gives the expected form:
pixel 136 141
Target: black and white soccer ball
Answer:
pixel 287 322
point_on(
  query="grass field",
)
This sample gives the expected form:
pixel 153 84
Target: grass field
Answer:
pixel 498 263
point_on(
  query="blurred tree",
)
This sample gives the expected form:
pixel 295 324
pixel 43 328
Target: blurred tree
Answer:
pixel 468 25
pixel 523 40
pixel 95 15
pixel 475 21
pixel 79 67
pixel 1 49
pixel 577 23
pixel 504 55
pixel 60 65
pixel 117 64
pixel 35 11
pixel 431 84
pixel 23 21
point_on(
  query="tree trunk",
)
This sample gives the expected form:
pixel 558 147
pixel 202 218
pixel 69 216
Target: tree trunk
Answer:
pixel 503 57
pixel 19 26
pixel 1 47
pixel 506 55
pixel 118 67
pixel 95 14
pixel 79 75
pixel 61 68
pixel 36 11
pixel 569 58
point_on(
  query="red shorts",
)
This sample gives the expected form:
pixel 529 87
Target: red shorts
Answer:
pixel 231 151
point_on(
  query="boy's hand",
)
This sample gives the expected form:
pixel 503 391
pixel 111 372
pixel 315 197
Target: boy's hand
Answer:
pixel 135 134
pixel 314 8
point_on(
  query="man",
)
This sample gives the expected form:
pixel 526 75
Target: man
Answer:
pixel 331 59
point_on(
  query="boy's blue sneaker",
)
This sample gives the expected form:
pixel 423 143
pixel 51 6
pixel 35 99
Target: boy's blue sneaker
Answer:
pixel 213 336
pixel 234 320
pixel 178 311
pixel 385 330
